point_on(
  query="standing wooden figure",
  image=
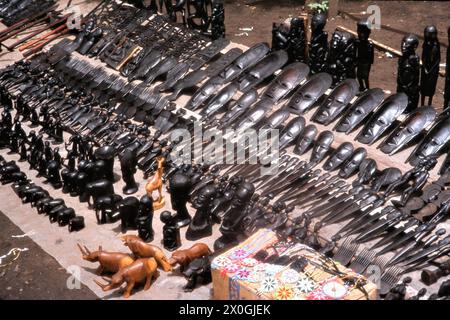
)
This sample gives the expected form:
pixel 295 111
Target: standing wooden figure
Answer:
pixel 364 55
pixel 296 45
pixel 319 44
pixel 447 74
pixel 431 57
pixel 409 71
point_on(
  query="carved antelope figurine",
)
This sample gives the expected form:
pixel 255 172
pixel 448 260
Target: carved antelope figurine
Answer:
pixel 156 183
pixel 144 250
pixel 139 271
pixel 109 261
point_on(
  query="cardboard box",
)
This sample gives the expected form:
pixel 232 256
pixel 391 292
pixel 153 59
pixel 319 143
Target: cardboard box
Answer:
pixel 264 267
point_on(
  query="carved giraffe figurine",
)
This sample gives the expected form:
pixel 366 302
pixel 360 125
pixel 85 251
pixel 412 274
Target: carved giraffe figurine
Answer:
pixel 156 183
pixel 141 270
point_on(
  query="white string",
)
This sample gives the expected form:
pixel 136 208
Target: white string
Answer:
pixel 13 250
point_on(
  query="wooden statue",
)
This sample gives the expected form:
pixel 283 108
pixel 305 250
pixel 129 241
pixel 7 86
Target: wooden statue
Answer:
pixel 139 271
pixel 318 47
pixel 156 183
pixel 364 54
pixel 431 57
pixel 447 74
pixel 409 71
pixel 171 232
pixel 109 261
pixel 144 250
pixel 184 257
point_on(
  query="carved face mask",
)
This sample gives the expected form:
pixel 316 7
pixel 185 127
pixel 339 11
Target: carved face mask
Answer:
pixel 241 106
pixel 389 111
pixel 342 153
pixel 408 129
pixel 308 94
pixel 335 103
pixel 353 163
pixel 322 146
pixel 263 69
pixel 287 80
pixel 220 100
pixel 306 139
pixel 432 144
pixel 359 110
pixel 292 131
pixel 244 61
pixel 255 115
pixel 201 95
pixel 276 119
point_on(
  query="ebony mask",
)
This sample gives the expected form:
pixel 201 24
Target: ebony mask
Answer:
pixel 408 130
pixel 322 146
pixel 359 110
pixel 291 131
pixel 436 139
pixel 353 163
pixel 306 139
pixel 289 78
pixel 336 102
pixel 384 117
pixel 338 157
pixel 308 94
pixel 263 69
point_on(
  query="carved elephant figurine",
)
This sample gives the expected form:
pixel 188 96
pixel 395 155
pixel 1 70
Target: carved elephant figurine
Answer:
pixel 17 177
pixel 46 207
pixel 64 216
pixel 106 208
pixel 7 170
pixel 128 208
pixel 96 189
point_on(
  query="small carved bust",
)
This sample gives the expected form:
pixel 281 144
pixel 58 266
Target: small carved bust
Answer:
pixel 171 232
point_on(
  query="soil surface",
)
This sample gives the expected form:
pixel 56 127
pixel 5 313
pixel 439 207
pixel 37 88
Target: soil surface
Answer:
pixel 34 274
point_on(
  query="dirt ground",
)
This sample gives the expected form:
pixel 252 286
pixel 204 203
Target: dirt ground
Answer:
pixel 34 274
pixel 37 275
pixel 408 16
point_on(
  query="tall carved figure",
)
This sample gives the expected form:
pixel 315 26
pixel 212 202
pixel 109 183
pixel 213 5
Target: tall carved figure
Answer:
pixel 296 46
pixel 409 71
pixel 319 44
pixel 342 56
pixel 364 54
pixel 156 183
pixel 218 21
pixel 431 57
pixel 447 74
